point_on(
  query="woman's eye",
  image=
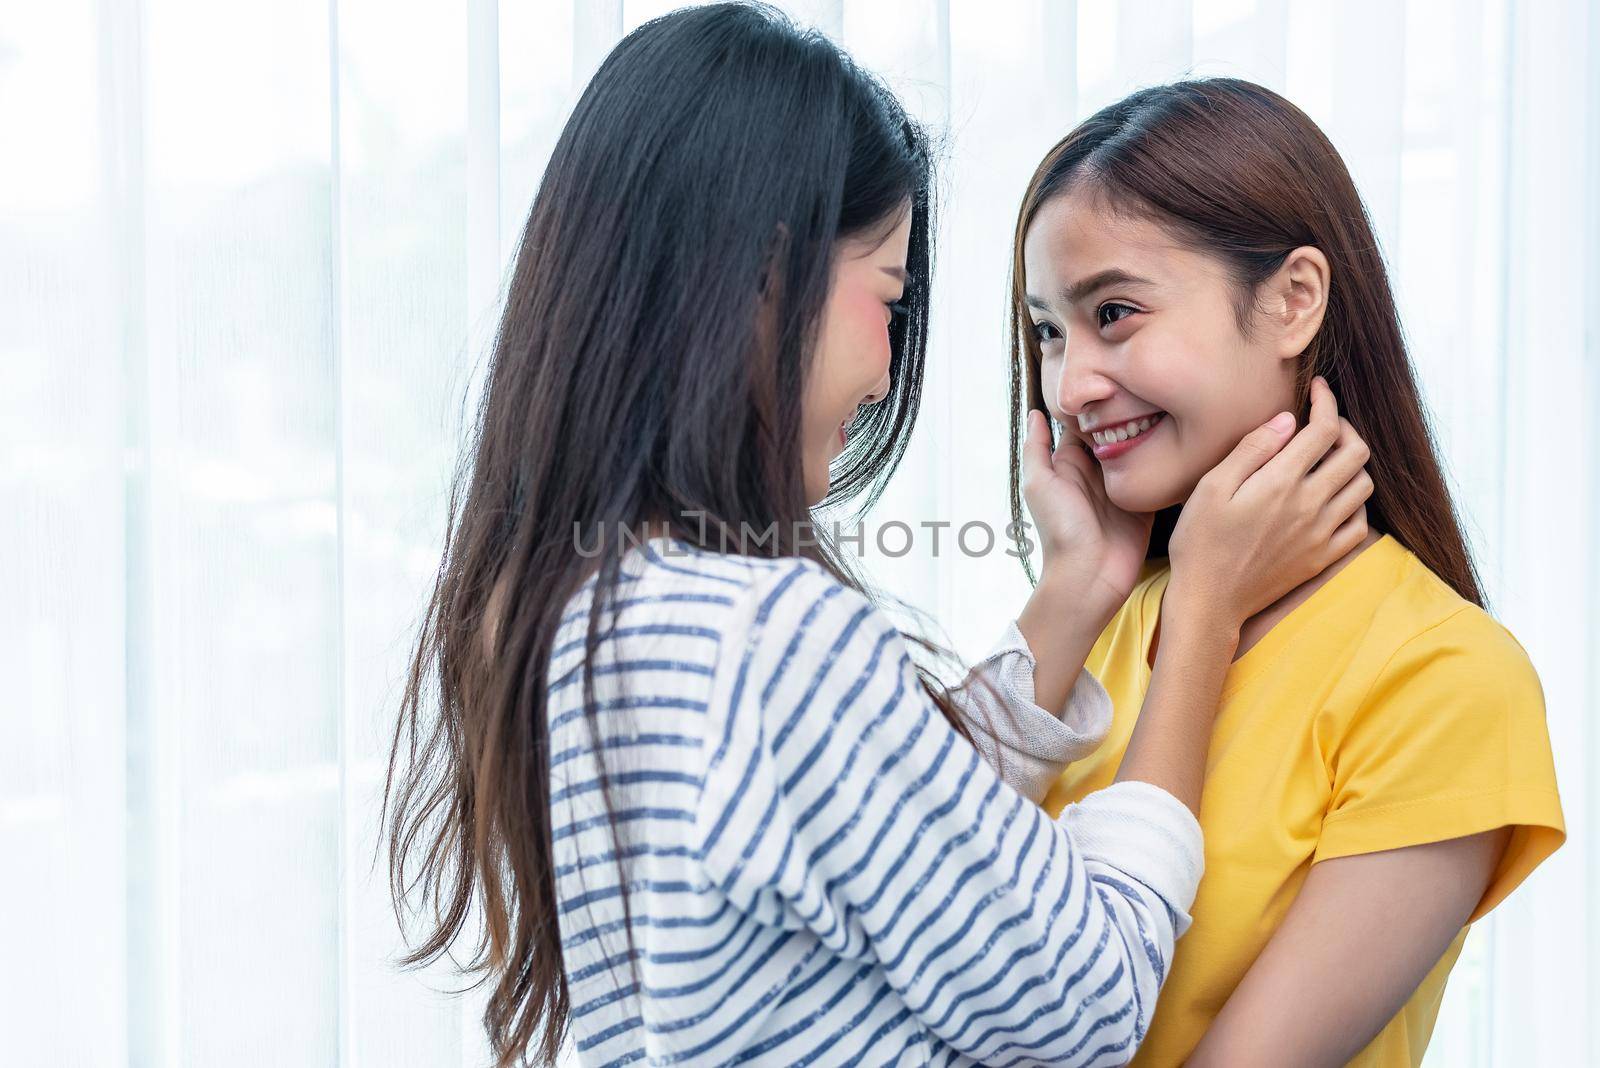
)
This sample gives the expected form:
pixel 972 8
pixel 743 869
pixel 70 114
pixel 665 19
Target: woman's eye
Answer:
pixel 1112 312
pixel 1045 332
pixel 897 307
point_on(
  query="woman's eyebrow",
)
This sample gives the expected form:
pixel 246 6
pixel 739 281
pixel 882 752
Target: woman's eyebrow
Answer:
pixel 1087 287
pixel 897 273
pixel 1112 276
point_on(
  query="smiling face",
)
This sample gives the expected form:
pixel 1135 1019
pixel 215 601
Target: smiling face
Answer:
pixel 851 365
pixel 1142 355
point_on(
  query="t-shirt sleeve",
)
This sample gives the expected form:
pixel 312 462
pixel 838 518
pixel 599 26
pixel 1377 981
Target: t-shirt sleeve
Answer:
pixel 838 800
pixel 1027 744
pixel 1449 741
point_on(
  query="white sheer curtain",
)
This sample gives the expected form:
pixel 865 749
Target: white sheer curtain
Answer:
pixel 249 258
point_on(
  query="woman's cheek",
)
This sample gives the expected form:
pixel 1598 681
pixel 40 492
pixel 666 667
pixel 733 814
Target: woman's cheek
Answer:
pixel 884 356
pixel 873 342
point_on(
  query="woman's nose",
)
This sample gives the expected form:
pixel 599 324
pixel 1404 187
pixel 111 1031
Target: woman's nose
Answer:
pixel 1081 384
pixel 880 391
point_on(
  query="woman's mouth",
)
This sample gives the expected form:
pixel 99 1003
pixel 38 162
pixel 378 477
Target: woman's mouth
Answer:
pixel 1114 441
pixel 844 435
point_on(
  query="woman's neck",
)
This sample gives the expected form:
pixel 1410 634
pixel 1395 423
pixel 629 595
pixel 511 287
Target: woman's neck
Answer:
pixel 1257 626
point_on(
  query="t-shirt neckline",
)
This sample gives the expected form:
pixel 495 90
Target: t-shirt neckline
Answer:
pixel 1246 667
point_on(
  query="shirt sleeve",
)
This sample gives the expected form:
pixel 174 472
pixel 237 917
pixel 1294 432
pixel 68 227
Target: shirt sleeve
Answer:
pixel 1027 744
pixel 840 801
pixel 1449 741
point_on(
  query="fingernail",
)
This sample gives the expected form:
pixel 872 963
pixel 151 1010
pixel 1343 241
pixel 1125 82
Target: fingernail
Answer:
pixel 1281 422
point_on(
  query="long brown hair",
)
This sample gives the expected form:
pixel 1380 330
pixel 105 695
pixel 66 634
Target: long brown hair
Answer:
pixel 1239 173
pixel 647 372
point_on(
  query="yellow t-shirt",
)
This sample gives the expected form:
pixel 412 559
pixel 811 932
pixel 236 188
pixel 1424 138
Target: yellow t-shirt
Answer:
pixel 1385 711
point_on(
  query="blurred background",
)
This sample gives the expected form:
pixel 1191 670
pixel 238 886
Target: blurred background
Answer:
pixel 250 257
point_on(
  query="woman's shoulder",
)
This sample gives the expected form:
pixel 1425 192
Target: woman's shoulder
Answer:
pixel 1422 610
pixel 807 607
pixel 1424 635
pixel 1436 730
pixel 668 590
pixel 678 607
pixel 741 593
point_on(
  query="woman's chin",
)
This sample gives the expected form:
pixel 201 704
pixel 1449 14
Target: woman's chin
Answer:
pixel 817 487
pixel 1142 495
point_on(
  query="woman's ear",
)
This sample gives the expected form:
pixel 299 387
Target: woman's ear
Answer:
pixel 1299 300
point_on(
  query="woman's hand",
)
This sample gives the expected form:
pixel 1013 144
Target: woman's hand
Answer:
pixel 1090 546
pixel 1272 515
pixel 1093 551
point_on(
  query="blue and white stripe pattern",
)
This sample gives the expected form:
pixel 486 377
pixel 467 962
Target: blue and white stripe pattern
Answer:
pixel 819 869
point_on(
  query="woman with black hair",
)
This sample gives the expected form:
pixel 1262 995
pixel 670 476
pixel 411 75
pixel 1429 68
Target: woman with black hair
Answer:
pixel 708 806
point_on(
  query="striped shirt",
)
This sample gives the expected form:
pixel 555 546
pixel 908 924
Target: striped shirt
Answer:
pixel 818 868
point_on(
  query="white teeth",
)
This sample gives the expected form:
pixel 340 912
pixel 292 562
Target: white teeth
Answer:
pixel 1124 432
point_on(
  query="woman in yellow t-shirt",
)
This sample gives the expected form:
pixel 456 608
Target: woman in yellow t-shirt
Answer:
pixel 1187 260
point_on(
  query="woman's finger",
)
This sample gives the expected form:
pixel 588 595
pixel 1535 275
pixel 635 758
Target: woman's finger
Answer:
pixel 1251 454
pixel 1035 446
pixel 1319 435
pixel 1349 455
pixel 1070 452
pixel 1351 533
pixel 1350 498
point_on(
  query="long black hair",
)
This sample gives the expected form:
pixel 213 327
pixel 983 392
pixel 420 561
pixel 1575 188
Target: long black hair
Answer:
pixel 648 370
